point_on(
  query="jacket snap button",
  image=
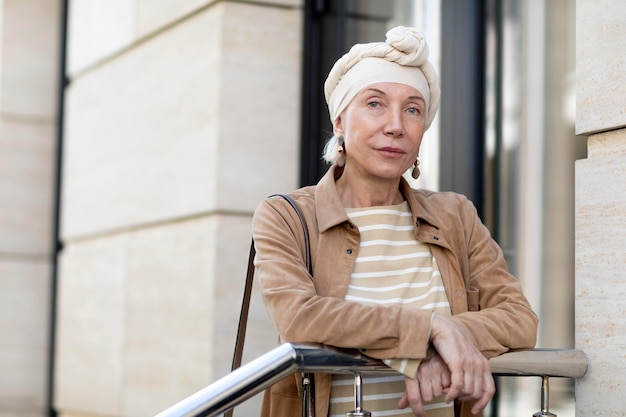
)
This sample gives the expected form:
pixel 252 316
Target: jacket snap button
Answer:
pixel 458 293
pixel 349 251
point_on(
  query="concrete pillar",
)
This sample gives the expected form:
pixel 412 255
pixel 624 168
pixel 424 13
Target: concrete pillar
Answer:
pixel 181 116
pixel 601 206
pixel 29 63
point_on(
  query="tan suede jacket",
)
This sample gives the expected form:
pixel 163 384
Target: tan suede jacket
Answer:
pixel 483 296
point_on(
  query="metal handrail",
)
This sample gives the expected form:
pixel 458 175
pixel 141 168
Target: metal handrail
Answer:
pixel 259 374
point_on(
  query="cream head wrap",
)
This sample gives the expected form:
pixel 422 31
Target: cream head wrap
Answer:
pixel 403 58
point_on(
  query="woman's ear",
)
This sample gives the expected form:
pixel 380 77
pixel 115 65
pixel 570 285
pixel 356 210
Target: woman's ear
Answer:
pixel 338 126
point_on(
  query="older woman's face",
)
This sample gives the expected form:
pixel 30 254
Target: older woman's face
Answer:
pixel 382 127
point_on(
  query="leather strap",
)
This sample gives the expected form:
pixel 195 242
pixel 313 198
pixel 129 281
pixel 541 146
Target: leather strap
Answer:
pixel 308 396
pixel 243 315
pixel 305 231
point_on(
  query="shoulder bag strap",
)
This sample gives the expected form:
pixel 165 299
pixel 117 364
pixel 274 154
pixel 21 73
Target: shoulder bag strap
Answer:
pixel 245 305
pixel 305 231
pixel 243 315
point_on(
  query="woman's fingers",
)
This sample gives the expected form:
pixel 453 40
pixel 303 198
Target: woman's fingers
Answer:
pixel 404 401
pixel 489 388
pixel 412 397
pixel 426 379
pixel 470 374
pixel 434 377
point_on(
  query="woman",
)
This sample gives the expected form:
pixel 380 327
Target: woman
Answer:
pixel 411 277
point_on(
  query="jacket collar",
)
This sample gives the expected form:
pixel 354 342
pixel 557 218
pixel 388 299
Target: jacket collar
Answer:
pixel 418 202
pixel 330 211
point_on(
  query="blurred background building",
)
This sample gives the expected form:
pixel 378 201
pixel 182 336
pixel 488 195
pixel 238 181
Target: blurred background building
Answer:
pixel 138 136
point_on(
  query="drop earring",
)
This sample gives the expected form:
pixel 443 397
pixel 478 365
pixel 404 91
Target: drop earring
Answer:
pixel 341 159
pixel 416 169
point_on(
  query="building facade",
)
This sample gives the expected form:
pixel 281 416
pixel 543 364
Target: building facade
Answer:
pixel 137 138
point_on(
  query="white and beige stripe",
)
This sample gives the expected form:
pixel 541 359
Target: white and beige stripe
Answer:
pixel 392 268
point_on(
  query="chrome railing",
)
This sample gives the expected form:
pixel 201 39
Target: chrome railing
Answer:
pixel 257 375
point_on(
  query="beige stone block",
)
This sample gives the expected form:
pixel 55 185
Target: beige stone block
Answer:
pixel 24 345
pixel 261 335
pixel 98 29
pixel 128 22
pixel 27 159
pixel 30 57
pixel 153 313
pixel 600 65
pixel 91 326
pixel 221 134
pixel 260 104
pixel 184 298
pixel 230 274
pixel 600 270
pixel 606 144
pixel 43 412
pixel 153 15
pixel 170 319
pixel 229 240
pixel 141 133
pixel 291 3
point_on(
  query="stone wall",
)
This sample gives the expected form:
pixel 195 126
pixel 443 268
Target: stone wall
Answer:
pixel 601 206
pixel 180 117
pixel 29 63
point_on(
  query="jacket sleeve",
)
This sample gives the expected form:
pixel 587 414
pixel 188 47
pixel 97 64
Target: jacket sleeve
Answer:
pixel 500 317
pixel 301 315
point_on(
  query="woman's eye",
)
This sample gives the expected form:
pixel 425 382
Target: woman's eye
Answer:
pixel 373 104
pixel 414 110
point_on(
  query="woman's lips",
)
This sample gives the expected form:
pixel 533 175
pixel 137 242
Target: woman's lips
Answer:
pixel 391 152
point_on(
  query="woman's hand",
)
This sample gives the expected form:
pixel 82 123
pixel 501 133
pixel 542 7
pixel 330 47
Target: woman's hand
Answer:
pixel 432 380
pixel 470 373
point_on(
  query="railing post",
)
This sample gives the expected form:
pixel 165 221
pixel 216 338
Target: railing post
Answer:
pixel 308 396
pixel 358 399
pixel 545 399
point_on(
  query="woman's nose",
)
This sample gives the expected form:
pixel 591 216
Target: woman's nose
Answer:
pixel 393 124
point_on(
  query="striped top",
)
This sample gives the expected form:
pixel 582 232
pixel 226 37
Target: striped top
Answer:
pixel 392 267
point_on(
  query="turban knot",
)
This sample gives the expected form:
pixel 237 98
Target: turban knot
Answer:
pixel 402 58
